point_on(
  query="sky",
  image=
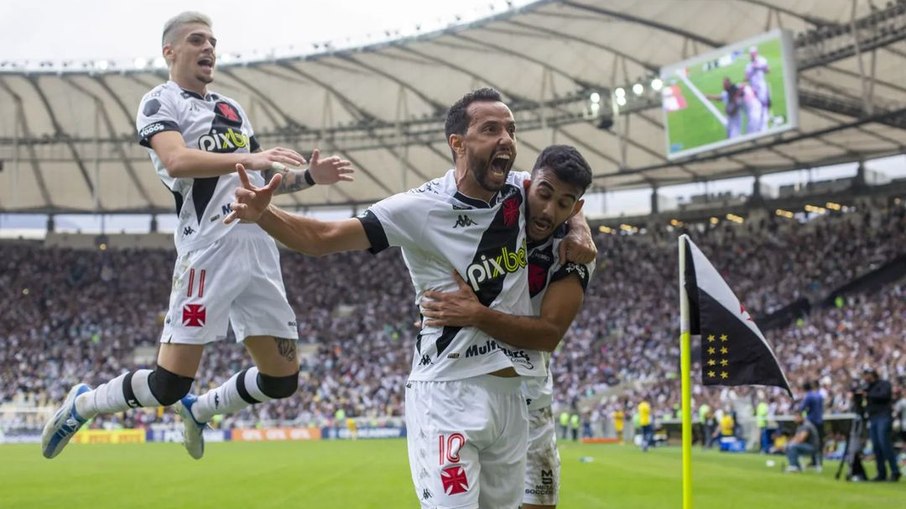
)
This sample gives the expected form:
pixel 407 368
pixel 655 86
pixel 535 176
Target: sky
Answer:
pixel 126 29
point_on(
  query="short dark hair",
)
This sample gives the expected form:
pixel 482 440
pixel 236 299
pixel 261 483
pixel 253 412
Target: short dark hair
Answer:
pixel 807 385
pixel 457 121
pixel 567 164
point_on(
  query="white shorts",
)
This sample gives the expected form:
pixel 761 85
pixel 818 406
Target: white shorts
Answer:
pixel 542 466
pixel 236 280
pixel 467 441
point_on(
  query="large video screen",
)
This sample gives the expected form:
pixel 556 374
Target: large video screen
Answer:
pixel 736 93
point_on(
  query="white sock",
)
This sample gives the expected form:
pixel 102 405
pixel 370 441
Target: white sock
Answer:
pixel 129 390
pixel 240 391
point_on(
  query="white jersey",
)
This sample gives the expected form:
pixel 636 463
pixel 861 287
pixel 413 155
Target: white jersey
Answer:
pixel 545 268
pixel 441 230
pixel 755 76
pixel 213 123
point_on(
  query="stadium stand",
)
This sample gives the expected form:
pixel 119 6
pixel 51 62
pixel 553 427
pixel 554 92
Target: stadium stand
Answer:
pixel 356 317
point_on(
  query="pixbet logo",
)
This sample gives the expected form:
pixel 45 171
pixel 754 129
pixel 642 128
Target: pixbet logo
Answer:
pixel 487 268
pixel 223 142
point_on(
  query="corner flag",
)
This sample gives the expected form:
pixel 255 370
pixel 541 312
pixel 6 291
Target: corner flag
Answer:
pixel 734 351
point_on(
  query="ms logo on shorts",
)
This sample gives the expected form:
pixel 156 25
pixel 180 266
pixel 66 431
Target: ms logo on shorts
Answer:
pixel 454 480
pixel 193 315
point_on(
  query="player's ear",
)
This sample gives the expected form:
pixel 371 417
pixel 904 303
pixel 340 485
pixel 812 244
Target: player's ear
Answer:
pixel 577 207
pixel 456 145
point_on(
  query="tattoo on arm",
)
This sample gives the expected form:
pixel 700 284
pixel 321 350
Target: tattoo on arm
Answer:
pixel 293 180
pixel 286 348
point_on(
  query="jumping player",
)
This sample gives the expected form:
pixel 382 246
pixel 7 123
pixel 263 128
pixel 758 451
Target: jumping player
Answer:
pixel 195 139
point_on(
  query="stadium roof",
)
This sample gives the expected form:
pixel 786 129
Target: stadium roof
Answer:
pixel 67 141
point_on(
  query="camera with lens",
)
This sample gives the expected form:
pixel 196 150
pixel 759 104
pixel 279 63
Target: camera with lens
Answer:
pixel 857 390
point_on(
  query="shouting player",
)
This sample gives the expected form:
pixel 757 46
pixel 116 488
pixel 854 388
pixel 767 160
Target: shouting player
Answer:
pixel 195 138
pixel 465 417
pixel 560 177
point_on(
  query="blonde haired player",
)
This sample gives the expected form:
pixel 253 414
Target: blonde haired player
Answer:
pixel 195 138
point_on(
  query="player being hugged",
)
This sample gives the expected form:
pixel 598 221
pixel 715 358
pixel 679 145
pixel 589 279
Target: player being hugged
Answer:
pixel 557 287
pixel 466 419
pixel 195 139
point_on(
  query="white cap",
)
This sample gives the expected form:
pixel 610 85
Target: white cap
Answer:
pixel 753 49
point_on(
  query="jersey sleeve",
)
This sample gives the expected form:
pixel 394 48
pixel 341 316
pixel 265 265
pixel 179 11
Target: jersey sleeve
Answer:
pixel 156 114
pixel 394 221
pixel 582 271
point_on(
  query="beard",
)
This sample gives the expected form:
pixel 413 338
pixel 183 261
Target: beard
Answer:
pixel 480 168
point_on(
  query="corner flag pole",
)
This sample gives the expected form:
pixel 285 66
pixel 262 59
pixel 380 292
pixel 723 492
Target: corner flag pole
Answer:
pixel 685 375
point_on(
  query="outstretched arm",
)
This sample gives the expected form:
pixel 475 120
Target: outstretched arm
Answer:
pixel 299 233
pixel 325 171
pixel 184 162
pixel 544 332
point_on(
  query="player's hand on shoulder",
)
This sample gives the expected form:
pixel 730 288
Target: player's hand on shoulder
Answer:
pixel 265 160
pixel 329 170
pixel 578 247
pixel 251 201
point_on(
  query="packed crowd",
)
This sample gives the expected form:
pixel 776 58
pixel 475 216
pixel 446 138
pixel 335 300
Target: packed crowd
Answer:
pixel 81 315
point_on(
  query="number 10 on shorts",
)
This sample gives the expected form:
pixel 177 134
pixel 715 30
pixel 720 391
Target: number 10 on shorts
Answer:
pixel 449 446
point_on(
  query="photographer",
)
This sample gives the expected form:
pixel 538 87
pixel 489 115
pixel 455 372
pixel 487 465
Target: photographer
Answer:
pixel 878 406
pixel 804 443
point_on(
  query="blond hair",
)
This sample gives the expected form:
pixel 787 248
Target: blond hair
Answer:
pixel 180 20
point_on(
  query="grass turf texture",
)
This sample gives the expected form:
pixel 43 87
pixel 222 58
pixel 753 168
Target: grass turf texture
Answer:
pixel 695 126
pixel 375 474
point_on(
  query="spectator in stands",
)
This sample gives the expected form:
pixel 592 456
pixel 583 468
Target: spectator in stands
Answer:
pixel 878 407
pixel 804 442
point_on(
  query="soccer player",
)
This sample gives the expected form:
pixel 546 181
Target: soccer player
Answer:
pixel 465 417
pixel 195 138
pixel 732 97
pixel 755 71
pixel 560 177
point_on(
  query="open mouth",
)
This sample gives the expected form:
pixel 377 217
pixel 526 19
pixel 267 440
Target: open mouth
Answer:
pixel 501 162
pixel 206 62
pixel 541 225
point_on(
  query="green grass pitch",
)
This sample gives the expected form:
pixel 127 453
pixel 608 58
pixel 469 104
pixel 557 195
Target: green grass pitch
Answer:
pixel 375 474
pixel 695 126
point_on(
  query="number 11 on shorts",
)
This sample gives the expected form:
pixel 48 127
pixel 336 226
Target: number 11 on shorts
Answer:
pixel 449 446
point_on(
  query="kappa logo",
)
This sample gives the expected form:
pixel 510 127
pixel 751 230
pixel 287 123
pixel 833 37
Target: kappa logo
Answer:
pixel 454 480
pixel 187 231
pixel 426 494
pixel 194 315
pixel 464 221
pixel 426 359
